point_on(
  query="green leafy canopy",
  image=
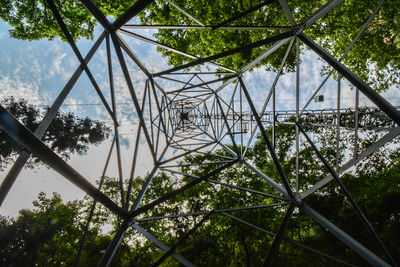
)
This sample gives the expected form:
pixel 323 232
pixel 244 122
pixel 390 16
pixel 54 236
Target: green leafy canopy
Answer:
pixel 375 57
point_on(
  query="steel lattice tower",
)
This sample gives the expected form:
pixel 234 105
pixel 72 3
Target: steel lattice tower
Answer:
pixel 194 119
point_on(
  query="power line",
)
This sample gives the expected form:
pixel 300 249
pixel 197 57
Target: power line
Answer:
pixel 256 100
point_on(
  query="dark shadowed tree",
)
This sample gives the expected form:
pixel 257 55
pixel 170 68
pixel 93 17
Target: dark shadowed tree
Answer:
pixel 221 240
pixel 49 235
pixel 225 241
pixel 67 133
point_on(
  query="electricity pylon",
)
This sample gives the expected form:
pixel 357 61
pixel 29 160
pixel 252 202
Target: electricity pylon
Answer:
pixel 197 117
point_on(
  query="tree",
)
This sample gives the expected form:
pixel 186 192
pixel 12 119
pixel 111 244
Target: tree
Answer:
pixel 67 133
pixel 223 240
pixel 33 20
pixel 375 57
pixel 50 234
pixel 42 235
pixel 220 241
pixel 204 43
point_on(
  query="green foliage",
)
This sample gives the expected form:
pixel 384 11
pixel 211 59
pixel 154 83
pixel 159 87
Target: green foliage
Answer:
pixel 374 58
pixel 50 235
pixel 224 241
pixel 221 240
pixel 33 20
pixel 205 43
pixel 44 235
pixel 67 133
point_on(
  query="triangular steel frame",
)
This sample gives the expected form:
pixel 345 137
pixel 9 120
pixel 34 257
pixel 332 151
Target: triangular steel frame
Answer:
pixel 195 119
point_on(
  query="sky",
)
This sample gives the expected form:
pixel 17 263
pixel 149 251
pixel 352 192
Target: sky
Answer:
pixel 38 70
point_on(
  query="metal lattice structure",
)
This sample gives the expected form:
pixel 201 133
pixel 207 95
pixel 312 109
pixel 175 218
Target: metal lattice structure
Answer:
pixel 194 119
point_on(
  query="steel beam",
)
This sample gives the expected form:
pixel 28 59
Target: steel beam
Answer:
pixel 242 14
pixel 113 246
pixel 380 101
pixel 229 52
pixel 287 11
pixel 161 245
pixel 173 216
pixel 97 14
pixel 135 153
pixel 116 130
pixel 278 166
pixel 174 193
pixel 12 127
pixel 297 111
pixel 368 151
pixel 345 238
pixel 91 212
pixel 184 12
pixel 132 92
pixel 265 54
pixel 226 184
pixel 183 239
pixel 271 182
pixel 272 93
pixel 169 48
pixel 321 12
pixel 135 9
pixel 274 249
pixel 364 219
pixel 289 240
pixel 363 28
pixel 14 171
pixel 338 123
pixel 68 36
pixel 197 27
